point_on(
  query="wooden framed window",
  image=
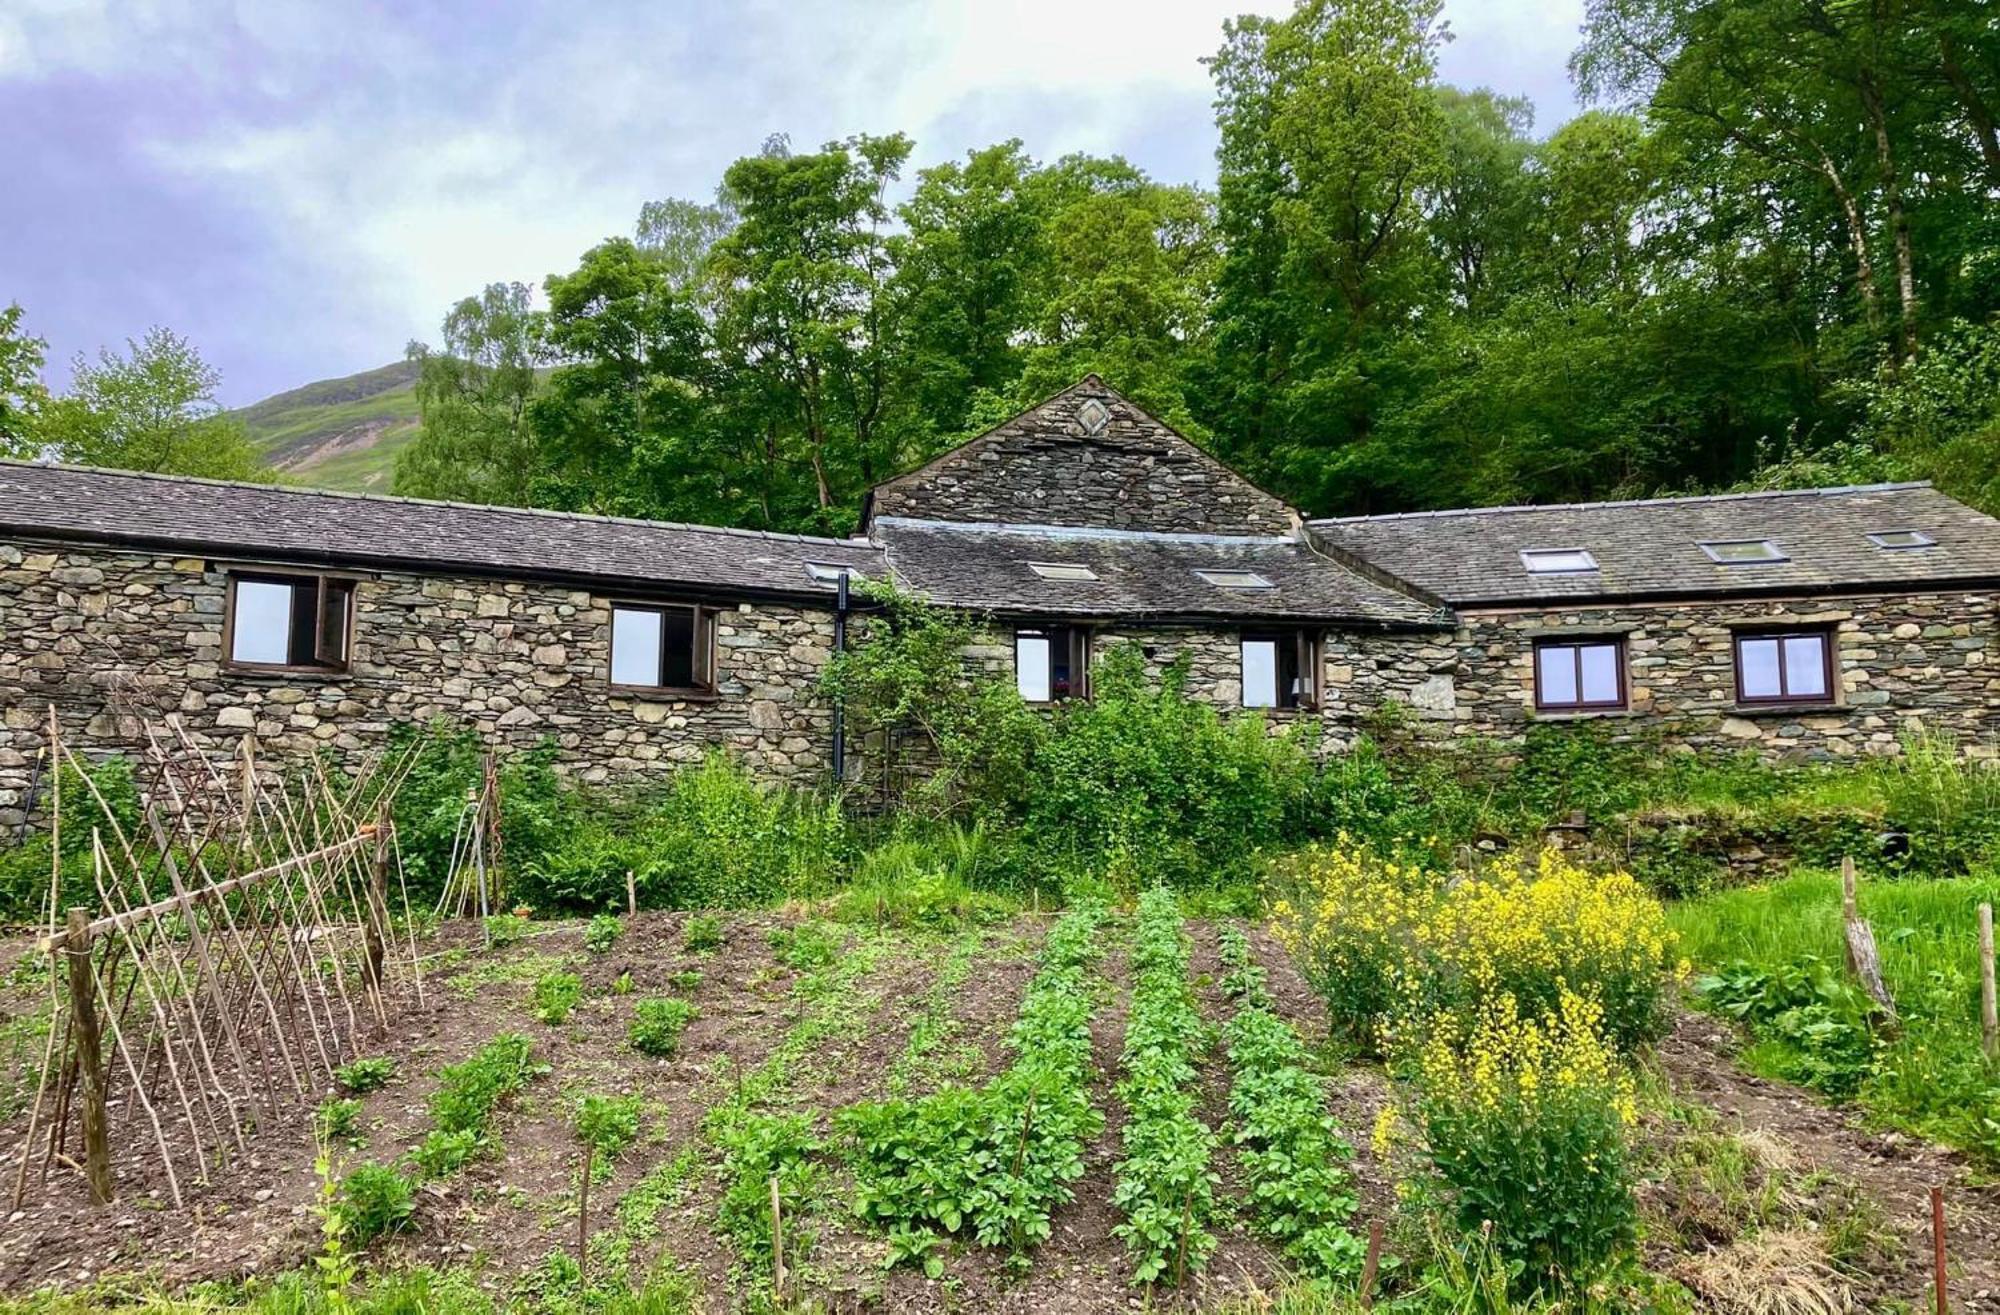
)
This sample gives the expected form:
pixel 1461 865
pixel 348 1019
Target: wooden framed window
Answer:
pixel 1052 663
pixel 288 622
pixel 1581 675
pixel 1784 666
pixel 663 647
pixel 1280 669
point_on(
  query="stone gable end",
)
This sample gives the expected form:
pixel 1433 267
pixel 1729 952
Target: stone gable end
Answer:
pixel 1053 466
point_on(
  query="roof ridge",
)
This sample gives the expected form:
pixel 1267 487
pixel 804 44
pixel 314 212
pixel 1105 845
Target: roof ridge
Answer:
pixel 307 491
pixel 1888 487
pixel 1084 531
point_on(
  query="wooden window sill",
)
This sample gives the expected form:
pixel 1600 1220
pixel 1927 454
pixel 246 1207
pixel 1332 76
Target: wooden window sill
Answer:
pixel 664 694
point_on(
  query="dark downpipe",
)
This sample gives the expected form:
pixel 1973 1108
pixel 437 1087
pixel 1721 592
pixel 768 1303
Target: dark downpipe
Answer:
pixel 839 708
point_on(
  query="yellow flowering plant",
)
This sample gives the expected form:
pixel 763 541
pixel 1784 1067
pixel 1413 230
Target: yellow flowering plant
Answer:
pixel 1524 1116
pixel 1540 932
pixel 1382 939
pixel 1351 921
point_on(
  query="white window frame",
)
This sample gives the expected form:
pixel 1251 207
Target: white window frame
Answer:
pixel 1776 556
pixel 1533 561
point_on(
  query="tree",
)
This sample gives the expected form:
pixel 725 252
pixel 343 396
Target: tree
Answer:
pixel 151 409
pixel 801 320
pixel 1330 122
pixel 473 443
pixel 22 395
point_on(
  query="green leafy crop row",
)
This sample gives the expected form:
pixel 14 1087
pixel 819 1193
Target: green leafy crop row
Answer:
pixel 1164 1186
pixel 1290 1149
pixel 994 1160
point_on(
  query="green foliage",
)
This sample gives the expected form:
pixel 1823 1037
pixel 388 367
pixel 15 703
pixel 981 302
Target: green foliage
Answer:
pixel 555 995
pixel 804 947
pixel 152 409
pixel 608 1124
pixel 505 929
pixel 25 868
pixel 993 1160
pixel 1824 1020
pixel 1164 1186
pixel 602 933
pixel 338 1121
pixel 375 1200
pixel 469 1091
pixel 702 933
pixel 1770 957
pixel 362 1076
pixel 442 1154
pixel 22 394
pixel 1291 1151
pixel 657 1025
pixel 757 1148
pixel 474 444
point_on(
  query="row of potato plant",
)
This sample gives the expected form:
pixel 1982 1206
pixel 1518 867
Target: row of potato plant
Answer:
pixel 993 1160
pixel 1290 1148
pixel 1164 1185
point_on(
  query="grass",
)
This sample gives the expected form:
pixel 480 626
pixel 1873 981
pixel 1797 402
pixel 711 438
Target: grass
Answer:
pixel 1931 1078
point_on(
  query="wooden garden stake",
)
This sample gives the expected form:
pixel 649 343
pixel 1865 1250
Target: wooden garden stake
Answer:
pixel 631 895
pixel 777 1243
pixel 1937 1249
pixel 1369 1265
pixel 1989 1002
pixel 1863 959
pixel 583 1218
pixel 89 1049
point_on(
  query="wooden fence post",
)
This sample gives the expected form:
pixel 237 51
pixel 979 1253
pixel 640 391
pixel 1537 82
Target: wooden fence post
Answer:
pixel 375 928
pixel 631 895
pixel 1938 1265
pixel 1864 960
pixel 1989 1004
pixel 90 1056
pixel 777 1243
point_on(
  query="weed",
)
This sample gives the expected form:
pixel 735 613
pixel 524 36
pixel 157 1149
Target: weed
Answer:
pixel 622 984
pixel 442 1154
pixel 657 1025
pixel 602 933
pixel 608 1124
pixel 702 933
pixel 338 1121
pixel 805 947
pixel 365 1075
pixel 505 929
pixel 555 995
pixel 374 1199
pixel 687 980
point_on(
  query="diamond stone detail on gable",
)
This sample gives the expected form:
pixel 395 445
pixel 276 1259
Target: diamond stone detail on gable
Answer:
pixel 1093 415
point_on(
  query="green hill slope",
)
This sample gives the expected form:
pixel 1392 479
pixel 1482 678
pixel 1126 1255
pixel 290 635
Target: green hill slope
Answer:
pixel 338 433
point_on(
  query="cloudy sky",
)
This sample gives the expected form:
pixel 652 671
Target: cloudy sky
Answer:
pixel 303 187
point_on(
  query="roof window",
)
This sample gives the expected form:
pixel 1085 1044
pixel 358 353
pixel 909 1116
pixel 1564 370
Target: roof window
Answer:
pixel 1235 579
pixel 1062 570
pixel 1557 561
pixel 1901 539
pixel 1743 552
pixel 829 573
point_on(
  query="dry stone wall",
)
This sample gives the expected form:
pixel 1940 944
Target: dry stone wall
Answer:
pixel 1061 465
pixel 111 637
pixel 1901 661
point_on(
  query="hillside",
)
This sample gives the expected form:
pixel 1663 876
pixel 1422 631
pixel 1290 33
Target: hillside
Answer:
pixel 339 433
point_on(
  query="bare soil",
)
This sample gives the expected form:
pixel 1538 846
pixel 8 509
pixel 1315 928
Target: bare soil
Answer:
pixel 1892 1171
pixel 506 1214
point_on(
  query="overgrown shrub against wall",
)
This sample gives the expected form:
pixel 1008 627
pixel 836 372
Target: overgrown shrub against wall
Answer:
pixel 25 867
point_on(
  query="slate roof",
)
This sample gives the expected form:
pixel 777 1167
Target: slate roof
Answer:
pixel 1651 549
pixel 985 567
pixel 209 517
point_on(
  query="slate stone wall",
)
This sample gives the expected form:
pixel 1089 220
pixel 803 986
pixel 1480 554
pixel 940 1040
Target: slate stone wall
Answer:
pixel 1930 659
pixel 1048 468
pixel 1900 661
pixel 111 637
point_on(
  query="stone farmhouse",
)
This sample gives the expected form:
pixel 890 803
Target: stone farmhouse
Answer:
pixel 1808 623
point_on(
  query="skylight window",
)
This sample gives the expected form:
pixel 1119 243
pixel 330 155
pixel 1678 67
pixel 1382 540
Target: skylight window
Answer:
pixel 1557 561
pixel 1743 552
pixel 1062 570
pixel 1901 539
pixel 1235 579
pixel 827 573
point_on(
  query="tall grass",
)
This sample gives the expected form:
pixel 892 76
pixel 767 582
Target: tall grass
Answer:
pixel 1930 1078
